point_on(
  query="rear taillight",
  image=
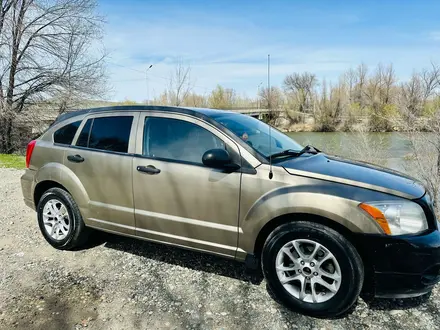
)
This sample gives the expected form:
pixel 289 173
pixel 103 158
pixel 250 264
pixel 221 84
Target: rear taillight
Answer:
pixel 29 150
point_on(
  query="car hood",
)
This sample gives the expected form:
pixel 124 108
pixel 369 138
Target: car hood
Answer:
pixel 360 174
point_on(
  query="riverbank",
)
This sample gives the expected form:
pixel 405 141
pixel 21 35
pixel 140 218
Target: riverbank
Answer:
pixel 311 127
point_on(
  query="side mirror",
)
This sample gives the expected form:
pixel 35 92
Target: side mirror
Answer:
pixel 219 158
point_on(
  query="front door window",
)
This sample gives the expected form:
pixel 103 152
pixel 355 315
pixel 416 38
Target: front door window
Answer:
pixel 177 140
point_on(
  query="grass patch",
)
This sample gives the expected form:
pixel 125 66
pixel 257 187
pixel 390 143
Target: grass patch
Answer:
pixel 12 161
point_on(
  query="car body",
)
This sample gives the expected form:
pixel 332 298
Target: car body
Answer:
pixel 205 180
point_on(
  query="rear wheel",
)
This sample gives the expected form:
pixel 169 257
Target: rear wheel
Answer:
pixel 312 269
pixel 60 221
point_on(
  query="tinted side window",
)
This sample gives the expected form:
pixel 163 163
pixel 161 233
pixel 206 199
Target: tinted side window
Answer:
pixel 66 133
pixel 83 137
pixel 177 140
pixel 111 133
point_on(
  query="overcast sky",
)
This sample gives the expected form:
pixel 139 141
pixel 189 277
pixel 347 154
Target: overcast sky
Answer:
pixel 227 42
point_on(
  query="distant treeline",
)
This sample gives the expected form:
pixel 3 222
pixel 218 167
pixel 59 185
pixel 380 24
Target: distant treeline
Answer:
pixel 375 97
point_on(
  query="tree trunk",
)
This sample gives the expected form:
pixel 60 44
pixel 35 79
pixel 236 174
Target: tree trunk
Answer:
pixel 8 134
pixel 2 134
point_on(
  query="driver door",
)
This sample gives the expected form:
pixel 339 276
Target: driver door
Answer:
pixel 178 200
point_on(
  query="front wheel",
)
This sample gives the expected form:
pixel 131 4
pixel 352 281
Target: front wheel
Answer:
pixel 312 269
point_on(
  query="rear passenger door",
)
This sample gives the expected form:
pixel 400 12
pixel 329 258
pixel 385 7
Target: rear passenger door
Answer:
pixel 101 158
pixel 182 201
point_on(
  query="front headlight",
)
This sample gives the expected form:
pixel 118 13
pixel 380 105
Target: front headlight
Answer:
pixel 397 218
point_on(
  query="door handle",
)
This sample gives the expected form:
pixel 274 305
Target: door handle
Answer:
pixel 75 158
pixel 150 169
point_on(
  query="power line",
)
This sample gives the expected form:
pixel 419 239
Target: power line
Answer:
pixel 150 75
pixel 126 67
pixel 206 89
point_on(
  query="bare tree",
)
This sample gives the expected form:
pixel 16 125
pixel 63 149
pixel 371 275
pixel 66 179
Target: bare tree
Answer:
pixel 46 57
pixel 196 100
pixel 366 147
pixel 330 104
pixel 411 97
pixel 425 158
pixel 180 85
pixel 388 80
pixel 380 95
pixel 222 98
pixel 302 87
pixel 351 79
pixel 361 74
pixel 379 87
pixel 431 81
pixel 417 93
pixel 271 100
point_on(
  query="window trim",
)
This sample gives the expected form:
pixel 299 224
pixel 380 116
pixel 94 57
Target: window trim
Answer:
pixel 131 139
pixel 102 151
pixel 80 131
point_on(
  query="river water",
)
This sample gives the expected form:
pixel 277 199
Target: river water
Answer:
pixel 388 149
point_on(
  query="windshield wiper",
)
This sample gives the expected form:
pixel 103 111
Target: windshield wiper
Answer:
pixel 289 152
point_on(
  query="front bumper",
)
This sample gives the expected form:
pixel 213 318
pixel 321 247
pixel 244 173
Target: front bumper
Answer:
pixel 402 266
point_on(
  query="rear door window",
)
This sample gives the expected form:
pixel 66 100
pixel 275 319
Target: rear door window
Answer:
pixel 107 133
pixel 65 134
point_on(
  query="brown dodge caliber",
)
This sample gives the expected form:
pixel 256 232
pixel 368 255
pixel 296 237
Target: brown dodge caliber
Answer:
pixel 321 227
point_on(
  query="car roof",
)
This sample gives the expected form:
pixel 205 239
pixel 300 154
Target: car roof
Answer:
pixel 198 112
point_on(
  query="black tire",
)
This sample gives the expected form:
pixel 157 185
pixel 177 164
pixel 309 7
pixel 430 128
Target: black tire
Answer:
pixel 351 267
pixel 77 233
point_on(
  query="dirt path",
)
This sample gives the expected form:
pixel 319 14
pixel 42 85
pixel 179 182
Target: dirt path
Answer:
pixel 120 283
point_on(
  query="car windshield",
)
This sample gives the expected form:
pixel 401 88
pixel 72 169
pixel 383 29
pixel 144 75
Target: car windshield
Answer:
pixel 256 134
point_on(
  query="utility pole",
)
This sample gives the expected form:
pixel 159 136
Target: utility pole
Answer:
pixel 146 80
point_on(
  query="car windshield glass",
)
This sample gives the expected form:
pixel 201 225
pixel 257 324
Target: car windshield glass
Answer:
pixel 256 134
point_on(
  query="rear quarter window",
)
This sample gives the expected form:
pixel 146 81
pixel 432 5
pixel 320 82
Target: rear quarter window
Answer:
pixel 65 134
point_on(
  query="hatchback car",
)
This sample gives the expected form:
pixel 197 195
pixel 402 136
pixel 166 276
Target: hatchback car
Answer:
pixel 321 227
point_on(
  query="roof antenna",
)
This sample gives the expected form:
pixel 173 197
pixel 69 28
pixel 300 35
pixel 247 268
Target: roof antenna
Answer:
pixel 268 107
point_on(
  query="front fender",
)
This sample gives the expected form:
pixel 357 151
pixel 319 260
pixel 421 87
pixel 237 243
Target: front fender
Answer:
pixel 64 176
pixel 321 201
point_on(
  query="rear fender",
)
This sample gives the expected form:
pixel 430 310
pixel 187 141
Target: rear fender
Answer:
pixel 64 176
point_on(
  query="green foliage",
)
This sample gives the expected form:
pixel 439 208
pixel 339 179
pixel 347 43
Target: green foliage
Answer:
pixel 222 98
pixel 351 117
pixel 382 117
pixel 431 108
pixel 12 161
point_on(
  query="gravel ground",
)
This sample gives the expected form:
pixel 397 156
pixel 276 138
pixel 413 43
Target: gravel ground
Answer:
pixel 120 283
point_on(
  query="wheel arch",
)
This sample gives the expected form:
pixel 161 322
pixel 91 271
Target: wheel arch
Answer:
pixel 44 186
pixel 271 225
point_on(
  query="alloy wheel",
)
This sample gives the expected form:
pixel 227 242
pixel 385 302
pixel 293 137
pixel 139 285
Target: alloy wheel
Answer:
pixel 308 271
pixel 56 219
